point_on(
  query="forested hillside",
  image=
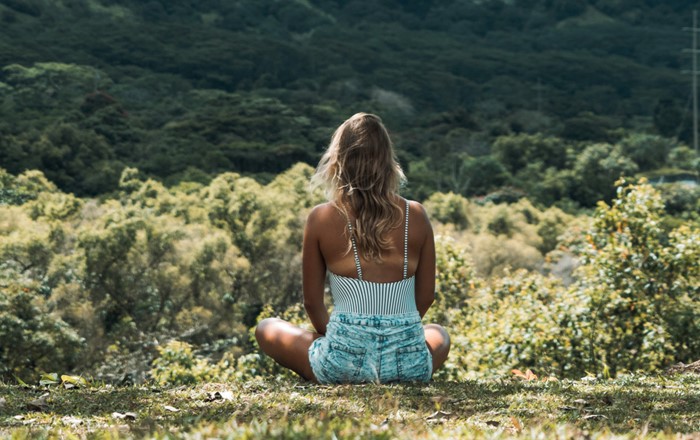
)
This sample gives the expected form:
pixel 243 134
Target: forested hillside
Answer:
pixel 552 99
pixel 155 155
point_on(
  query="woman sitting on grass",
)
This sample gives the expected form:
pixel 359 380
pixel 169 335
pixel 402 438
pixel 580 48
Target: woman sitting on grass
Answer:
pixel 379 253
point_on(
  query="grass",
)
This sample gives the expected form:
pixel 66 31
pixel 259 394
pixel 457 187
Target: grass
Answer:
pixel 632 406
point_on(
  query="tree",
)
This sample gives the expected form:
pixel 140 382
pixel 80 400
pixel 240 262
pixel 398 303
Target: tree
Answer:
pixel 643 284
pixel 596 170
pixel 647 151
pixel 517 151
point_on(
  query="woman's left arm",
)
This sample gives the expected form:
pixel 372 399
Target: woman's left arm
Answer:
pixel 314 274
pixel 425 272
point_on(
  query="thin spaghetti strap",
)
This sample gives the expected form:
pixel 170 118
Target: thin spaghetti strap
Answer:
pixel 354 250
pixel 405 245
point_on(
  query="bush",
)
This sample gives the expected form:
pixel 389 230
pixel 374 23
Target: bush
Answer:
pixel 32 338
pixel 681 199
pixel 449 208
pixel 646 150
pixel 455 278
pixel 643 284
pixel 177 365
pixel 634 305
pixel 522 320
pixel 596 170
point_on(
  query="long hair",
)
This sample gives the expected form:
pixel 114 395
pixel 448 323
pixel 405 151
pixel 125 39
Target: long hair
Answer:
pixel 360 174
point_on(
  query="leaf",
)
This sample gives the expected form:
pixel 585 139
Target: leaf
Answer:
pixel 227 395
pixel 21 382
pixel 518 373
pixel 72 421
pixel 594 417
pixel 528 375
pixel 381 427
pixel 39 404
pixel 516 424
pixel 170 408
pixel 130 417
pixel 49 379
pixel 219 395
pixel 438 416
pixel 73 381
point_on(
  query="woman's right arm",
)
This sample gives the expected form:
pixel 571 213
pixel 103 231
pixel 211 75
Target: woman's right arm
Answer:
pixel 314 273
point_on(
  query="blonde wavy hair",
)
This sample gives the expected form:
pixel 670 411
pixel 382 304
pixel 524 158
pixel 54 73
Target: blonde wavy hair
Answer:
pixel 360 174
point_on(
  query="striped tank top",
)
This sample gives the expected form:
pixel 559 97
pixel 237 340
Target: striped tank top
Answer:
pixel 355 295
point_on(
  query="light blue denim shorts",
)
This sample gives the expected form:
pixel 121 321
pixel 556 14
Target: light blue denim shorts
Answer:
pixel 361 348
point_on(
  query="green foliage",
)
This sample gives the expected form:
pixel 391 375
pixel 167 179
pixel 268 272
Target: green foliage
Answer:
pixel 589 127
pixel 283 408
pixel 519 320
pixel 499 236
pixel 266 225
pixel 596 170
pixel 516 152
pixel 681 200
pixel 177 365
pixel 634 304
pixel 455 279
pixel 257 87
pixel 157 262
pixel 684 158
pixel 551 226
pixel 256 365
pixel 152 256
pixel 49 85
pixel 449 208
pixel 643 284
pixel 85 280
pixel 647 151
pixel 10 193
pixel 33 336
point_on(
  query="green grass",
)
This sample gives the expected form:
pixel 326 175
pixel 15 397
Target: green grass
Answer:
pixel 629 407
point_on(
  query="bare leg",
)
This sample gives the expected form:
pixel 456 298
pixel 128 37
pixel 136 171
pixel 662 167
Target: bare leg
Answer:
pixel 287 344
pixel 438 343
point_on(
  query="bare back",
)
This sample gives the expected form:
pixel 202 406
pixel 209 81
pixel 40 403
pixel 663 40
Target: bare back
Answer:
pixel 327 228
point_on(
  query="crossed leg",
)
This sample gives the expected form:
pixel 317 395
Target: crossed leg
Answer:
pixel 289 345
pixel 438 341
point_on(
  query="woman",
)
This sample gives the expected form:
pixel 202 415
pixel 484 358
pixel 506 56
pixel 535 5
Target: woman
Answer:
pixel 379 253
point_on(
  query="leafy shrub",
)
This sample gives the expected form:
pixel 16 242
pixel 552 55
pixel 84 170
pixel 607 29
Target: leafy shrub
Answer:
pixel 643 284
pixel 32 338
pixel 177 365
pixel 256 364
pixel 519 320
pixel 495 254
pixel 156 261
pixel 634 305
pixel 551 226
pixel 449 208
pixel 684 158
pixel 646 150
pixel 680 199
pixel 455 279
pixel 515 152
pixel 596 170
